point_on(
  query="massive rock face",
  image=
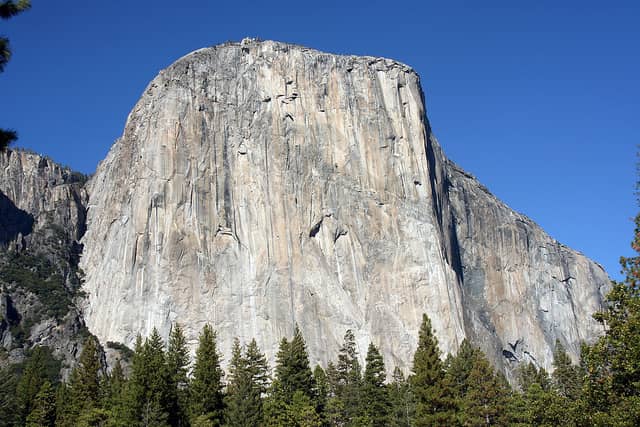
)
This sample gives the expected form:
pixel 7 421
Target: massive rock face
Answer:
pixel 258 185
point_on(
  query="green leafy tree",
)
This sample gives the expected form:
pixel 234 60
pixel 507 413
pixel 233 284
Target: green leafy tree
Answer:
pixel 43 413
pixel 9 9
pixel 206 389
pixel 375 394
pixel 434 401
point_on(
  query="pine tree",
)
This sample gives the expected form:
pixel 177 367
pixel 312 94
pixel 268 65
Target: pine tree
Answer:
pixel 374 394
pixel 485 400
pixel 177 366
pixel 322 391
pixel 293 375
pixel 345 384
pixel 459 368
pixel 400 397
pixel 566 377
pixel 8 403
pixel 206 397
pixel 43 413
pixel 33 377
pixel 9 9
pixel 612 384
pixel 434 401
pixel 84 384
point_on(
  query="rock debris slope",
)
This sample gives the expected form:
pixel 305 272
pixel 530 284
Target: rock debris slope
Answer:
pixel 259 184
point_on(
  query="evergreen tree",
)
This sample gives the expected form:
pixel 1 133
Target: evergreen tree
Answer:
pixel 206 397
pixel 8 403
pixel 400 397
pixel 375 395
pixel 33 377
pixel 293 375
pixel 292 367
pixel 177 366
pixel 612 384
pixel 9 9
pixel 302 411
pixel 84 384
pixel 434 401
pixel 345 384
pixel 485 398
pixel 566 377
pixel 247 384
pixel 43 413
pixel 459 368
pixel 322 390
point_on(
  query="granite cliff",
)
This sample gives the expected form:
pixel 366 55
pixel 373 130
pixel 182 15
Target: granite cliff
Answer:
pixel 260 184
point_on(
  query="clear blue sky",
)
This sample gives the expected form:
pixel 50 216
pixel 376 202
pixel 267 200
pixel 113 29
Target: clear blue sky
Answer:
pixel 539 99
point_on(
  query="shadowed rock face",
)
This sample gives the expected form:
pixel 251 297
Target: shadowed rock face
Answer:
pixel 258 185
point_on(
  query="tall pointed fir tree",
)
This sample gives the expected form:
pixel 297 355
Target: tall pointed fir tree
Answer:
pixel 178 367
pixel 612 384
pixel 33 376
pixel 434 401
pixel 566 377
pixel 345 404
pixel 84 383
pixel 206 388
pixel 401 399
pixel 484 402
pixel 43 413
pixel 293 375
pixel 375 397
pixel 248 379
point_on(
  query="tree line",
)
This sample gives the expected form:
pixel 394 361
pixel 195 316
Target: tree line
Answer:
pixel 163 387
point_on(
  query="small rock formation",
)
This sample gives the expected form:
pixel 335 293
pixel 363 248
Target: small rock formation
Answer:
pixel 260 184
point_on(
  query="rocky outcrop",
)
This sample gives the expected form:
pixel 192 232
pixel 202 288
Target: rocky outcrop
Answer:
pixel 258 185
pixel 42 217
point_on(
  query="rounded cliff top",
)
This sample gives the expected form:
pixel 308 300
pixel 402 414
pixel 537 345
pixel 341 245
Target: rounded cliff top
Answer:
pixel 270 48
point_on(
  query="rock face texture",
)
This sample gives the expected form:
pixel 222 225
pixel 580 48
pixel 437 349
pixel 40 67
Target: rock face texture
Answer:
pixel 42 217
pixel 258 185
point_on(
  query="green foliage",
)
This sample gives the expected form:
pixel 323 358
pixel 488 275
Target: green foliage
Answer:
pixel 39 367
pixel 345 384
pixel 126 352
pixel 178 367
pixel 375 397
pixel 40 276
pixel 612 383
pixel 43 413
pixel 292 367
pixel 9 9
pixel 485 398
pixel 8 403
pixel 401 400
pixel 206 397
pixel 248 380
pixel 434 400
pixel 84 384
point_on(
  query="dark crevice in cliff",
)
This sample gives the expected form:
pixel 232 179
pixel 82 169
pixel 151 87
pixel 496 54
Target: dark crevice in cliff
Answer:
pixel 13 221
